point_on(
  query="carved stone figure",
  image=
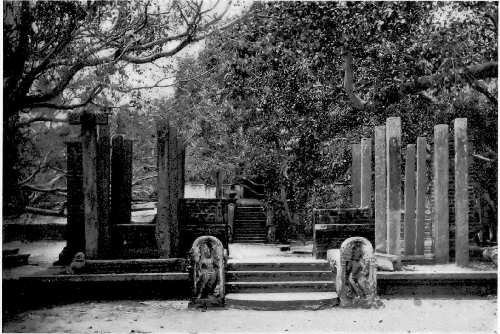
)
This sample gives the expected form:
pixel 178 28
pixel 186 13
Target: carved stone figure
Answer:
pixel 357 274
pixel 207 272
pixel 76 266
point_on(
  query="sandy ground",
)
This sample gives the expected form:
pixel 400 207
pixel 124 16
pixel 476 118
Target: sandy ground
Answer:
pixel 398 315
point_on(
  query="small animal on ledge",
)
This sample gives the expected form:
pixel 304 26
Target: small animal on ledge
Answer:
pixel 76 266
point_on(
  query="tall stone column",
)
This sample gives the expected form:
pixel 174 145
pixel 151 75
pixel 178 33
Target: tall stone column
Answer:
pixel 421 190
pixel 75 227
pixel 366 172
pixel 356 175
pixel 393 146
pixel 409 223
pixel 461 192
pixel 90 203
pixel 380 191
pixel 103 190
pixel 163 234
pixel 121 179
pixel 441 203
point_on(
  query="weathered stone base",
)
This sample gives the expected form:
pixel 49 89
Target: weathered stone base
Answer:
pixel 210 301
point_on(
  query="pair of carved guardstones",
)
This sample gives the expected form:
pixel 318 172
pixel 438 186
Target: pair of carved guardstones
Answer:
pixel 355 267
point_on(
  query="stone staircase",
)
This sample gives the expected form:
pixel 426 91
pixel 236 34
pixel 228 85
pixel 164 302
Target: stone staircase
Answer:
pixel 280 285
pixel 249 224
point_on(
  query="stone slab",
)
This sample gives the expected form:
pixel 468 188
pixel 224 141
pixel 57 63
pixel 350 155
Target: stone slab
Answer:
pixel 282 301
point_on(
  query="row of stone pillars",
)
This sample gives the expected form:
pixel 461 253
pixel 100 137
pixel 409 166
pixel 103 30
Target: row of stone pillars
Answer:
pixel 99 183
pixel 388 198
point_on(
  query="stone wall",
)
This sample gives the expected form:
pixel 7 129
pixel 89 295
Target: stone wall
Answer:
pixel 199 217
pixel 333 226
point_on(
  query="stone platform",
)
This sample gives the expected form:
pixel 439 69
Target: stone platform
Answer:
pixel 40 283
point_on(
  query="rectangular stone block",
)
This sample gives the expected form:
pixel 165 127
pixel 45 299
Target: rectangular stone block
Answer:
pixel 356 175
pixel 366 172
pixel 380 191
pixel 441 204
pixel 461 192
pixel 393 147
pixel 421 188
pixel 90 202
pixel 409 223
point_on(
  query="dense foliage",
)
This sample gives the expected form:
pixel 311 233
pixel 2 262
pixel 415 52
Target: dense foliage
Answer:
pixel 281 105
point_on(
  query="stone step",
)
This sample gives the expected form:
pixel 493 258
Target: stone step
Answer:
pixel 247 229
pixel 135 266
pixel 244 229
pixel 249 235
pixel 256 207
pixel 250 221
pixel 282 301
pixel 250 213
pixel 283 286
pixel 315 265
pixel 279 275
pixel 250 230
pixel 249 218
pixel 249 241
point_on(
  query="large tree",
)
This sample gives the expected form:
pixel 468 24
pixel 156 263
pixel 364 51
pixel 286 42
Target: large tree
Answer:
pixel 283 82
pixel 62 55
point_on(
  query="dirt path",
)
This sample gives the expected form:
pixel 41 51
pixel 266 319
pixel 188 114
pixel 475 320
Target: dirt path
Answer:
pixel 398 315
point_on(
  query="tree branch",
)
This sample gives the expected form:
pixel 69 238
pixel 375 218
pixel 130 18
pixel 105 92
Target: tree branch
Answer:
pixel 92 95
pixel 65 80
pixel 157 84
pixel 356 101
pixel 42 164
pixel 392 94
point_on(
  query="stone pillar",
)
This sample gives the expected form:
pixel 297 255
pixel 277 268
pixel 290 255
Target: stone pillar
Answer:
pixel 181 167
pixel 121 180
pixel 441 205
pixel 230 220
pixel 173 155
pixel 169 189
pixel 89 161
pixel 421 190
pixel 380 191
pixel 218 183
pixel 461 192
pixel 75 227
pixel 163 235
pixel 366 172
pixel 103 190
pixel 356 175
pixel 409 223
pixel 393 148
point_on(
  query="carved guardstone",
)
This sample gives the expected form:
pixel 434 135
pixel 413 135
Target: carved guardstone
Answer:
pixel 207 272
pixel 356 278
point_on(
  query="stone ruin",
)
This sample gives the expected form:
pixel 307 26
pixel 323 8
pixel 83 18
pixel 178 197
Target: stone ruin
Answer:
pixel 207 272
pixel 356 278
